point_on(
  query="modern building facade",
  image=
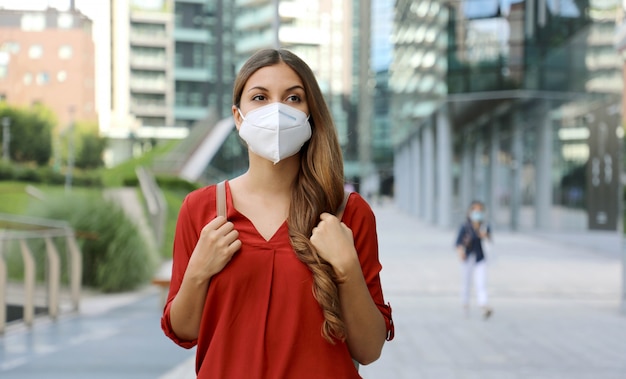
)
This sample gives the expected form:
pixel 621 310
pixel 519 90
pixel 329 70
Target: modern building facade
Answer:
pixel 141 77
pixel 381 56
pixel 513 104
pixel 46 53
pixel 204 61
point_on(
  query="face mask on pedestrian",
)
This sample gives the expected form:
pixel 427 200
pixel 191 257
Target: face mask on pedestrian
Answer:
pixel 275 131
pixel 476 216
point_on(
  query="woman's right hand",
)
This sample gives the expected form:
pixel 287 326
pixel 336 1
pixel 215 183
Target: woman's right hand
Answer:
pixel 217 244
pixel 461 251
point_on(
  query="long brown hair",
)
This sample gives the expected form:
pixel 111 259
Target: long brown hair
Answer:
pixel 318 187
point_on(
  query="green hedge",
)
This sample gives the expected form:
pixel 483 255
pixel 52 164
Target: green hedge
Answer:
pixel 169 182
pixel 47 175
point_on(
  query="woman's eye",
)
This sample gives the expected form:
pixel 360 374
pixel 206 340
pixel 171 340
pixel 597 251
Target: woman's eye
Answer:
pixel 258 98
pixel 293 98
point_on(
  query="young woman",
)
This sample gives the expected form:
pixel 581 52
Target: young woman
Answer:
pixel 280 287
pixel 471 249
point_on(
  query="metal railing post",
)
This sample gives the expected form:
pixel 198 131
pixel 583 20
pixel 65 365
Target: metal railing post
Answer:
pixel 3 285
pixel 22 229
pixel 76 270
pixel 54 278
pixel 29 283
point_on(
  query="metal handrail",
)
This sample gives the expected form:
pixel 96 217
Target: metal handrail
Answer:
pixel 23 229
pixel 155 202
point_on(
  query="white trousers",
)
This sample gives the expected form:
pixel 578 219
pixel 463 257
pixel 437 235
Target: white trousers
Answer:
pixel 470 268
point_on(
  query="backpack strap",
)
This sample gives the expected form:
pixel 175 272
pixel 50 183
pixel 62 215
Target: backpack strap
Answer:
pixel 221 199
pixel 342 207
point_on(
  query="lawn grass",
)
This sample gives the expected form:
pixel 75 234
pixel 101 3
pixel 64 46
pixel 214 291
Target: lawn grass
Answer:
pixel 14 197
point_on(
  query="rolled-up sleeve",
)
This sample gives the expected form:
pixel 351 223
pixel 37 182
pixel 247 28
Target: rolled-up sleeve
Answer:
pixel 360 218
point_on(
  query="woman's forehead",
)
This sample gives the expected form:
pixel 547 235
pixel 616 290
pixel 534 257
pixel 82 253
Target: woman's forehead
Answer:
pixel 278 76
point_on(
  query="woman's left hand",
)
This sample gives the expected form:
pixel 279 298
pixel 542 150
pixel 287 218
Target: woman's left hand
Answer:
pixel 334 242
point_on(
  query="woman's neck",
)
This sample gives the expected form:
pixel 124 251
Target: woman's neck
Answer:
pixel 265 176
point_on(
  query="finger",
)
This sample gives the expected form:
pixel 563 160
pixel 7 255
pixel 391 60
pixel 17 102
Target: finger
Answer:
pixel 231 237
pixel 346 228
pixel 234 247
pixel 226 228
pixel 216 223
pixel 325 216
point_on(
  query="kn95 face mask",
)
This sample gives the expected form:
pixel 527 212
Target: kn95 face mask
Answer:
pixel 275 131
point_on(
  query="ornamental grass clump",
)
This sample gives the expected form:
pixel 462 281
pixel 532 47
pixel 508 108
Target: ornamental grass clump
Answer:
pixel 115 255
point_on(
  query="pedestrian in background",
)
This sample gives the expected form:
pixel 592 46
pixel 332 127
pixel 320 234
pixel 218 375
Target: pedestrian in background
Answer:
pixel 471 244
pixel 281 287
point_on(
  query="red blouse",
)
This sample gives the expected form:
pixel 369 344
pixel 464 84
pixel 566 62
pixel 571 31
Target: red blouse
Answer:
pixel 260 318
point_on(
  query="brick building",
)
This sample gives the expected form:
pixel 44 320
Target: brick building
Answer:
pixel 47 57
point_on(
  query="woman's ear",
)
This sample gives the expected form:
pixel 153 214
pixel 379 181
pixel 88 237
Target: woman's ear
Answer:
pixel 237 117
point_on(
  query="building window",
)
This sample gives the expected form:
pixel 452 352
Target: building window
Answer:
pixel 5 58
pixel 10 47
pixel 151 56
pixel 198 55
pixel 148 80
pixel 62 76
pixel 65 21
pixel 147 30
pixel 152 121
pixel 43 78
pixel 28 78
pixel 65 51
pixel 148 5
pixel 35 52
pixel 33 22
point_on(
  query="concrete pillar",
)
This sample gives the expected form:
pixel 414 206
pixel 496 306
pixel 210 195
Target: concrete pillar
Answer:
pixel 397 174
pixel 401 169
pixel 494 169
pixel 466 192
pixel 428 175
pixel 444 169
pixel 416 174
pixel 516 169
pixel 407 179
pixel 543 168
pixel 479 181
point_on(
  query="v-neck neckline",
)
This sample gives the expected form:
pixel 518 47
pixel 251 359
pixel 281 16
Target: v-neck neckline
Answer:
pixel 231 206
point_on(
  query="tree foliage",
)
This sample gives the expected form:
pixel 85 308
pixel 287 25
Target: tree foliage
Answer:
pixel 30 133
pixel 90 146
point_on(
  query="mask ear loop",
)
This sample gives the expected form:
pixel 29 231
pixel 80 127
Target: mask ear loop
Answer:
pixel 241 114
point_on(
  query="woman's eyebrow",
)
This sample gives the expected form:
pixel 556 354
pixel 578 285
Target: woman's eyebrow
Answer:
pixel 261 88
pixel 255 88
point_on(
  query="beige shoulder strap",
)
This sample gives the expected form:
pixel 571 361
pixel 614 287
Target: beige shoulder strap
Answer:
pixel 221 198
pixel 342 207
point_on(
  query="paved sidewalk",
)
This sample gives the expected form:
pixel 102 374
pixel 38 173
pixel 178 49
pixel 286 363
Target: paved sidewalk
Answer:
pixel 556 316
pixel 556 309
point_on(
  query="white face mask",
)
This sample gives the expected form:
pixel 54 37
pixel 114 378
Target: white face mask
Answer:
pixel 477 216
pixel 275 131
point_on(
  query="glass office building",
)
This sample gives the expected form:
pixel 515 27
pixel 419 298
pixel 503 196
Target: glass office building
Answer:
pixel 516 103
pixel 204 63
